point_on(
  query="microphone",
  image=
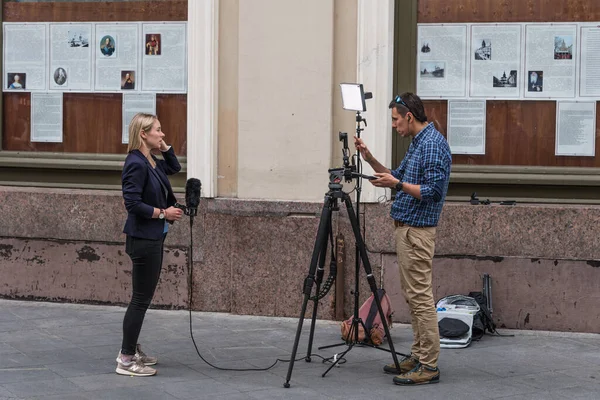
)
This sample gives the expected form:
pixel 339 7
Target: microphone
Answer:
pixel 192 195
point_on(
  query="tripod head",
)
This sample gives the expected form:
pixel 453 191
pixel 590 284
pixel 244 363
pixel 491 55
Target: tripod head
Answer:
pixel 349 168
pixel 348 171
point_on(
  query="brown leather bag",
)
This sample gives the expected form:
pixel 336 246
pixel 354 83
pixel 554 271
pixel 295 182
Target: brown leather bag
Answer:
pixel 369 315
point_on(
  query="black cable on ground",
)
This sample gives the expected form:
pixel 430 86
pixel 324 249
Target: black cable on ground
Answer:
pixel 190 298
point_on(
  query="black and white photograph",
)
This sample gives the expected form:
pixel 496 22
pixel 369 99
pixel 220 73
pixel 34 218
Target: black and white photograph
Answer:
pixel 535 81
pixel 483 49
pixel 16 80
pixel 78 39
pixel 432 69
pixel 506 80
pixel 425 48
pixel 60 76
pixel 563 47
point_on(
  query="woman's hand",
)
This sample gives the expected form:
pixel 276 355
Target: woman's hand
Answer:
pixel 173 214
pixel 163 146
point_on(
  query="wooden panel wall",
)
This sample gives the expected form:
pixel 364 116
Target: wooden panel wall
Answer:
pixel 92 122
pixel 518 132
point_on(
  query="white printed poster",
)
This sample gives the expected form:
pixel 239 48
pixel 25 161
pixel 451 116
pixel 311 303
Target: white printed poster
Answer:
pixel 589 81
pixel 70 57
pixel 576 128
pixel 466 126
pixel 47 117
pixel 550 58
pixel 117 54
pixel 495 55
pixel 134 103
pixel 25 57
pixel 164 60
pixel 442 61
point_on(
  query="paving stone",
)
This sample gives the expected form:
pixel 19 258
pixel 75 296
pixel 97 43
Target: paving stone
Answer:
pixel 67 352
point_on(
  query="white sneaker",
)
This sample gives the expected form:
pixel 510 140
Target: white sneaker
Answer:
pixel 133 368
pixel 143 357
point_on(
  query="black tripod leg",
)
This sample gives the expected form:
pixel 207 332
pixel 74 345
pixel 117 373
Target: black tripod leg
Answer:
pixel 312 326
pixel 296 340
pixel 320 247
pixel 319 280
pixel 338 359
pixel 370 278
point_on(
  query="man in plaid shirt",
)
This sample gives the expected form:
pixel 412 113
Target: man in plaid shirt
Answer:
pixel 421 183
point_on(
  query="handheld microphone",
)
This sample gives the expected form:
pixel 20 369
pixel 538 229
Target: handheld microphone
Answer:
pixel 192 195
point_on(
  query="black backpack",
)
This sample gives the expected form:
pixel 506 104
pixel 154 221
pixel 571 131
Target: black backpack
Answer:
pixel 482 321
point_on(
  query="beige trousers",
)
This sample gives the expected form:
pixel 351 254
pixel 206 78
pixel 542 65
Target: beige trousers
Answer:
pixel 415 248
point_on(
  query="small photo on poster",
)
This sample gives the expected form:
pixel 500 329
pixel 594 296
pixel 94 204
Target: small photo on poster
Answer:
pixel 60 76
pixel 433 70
pixel 16 80
pixel 78 39
pixel 108 46
pixel 502 80
pixel 127 80
pixel 484 52
pixel 535 81
pixel 563 47
pixel 425 48
pixel 153 44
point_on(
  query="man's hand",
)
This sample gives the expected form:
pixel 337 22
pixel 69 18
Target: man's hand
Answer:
pixel 362 147
pixel 384 180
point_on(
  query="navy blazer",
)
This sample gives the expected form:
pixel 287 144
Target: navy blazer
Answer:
pixel 142 192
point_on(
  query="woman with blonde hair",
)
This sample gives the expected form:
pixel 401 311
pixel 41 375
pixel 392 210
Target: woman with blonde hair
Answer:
pixel 149 201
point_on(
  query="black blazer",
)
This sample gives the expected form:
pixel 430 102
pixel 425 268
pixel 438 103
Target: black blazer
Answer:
pixel 142 192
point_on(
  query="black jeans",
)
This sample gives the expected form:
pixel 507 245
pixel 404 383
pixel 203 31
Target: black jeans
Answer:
pixel 147 256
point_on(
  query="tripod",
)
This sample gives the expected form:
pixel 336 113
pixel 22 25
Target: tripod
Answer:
pixel 356 319
pixel 315 275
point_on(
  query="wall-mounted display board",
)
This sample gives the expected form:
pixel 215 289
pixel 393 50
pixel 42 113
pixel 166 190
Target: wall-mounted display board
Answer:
pixel 495 61
pixel 505 61
pixel 118 57
pixel 535 65
pixel 104 61
pixel 575 128
pixel 466 126
pixel 441 59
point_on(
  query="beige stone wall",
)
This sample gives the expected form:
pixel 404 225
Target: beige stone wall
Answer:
pixel 280 65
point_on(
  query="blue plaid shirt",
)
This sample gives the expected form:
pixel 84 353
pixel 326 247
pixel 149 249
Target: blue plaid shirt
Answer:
pixel 427 163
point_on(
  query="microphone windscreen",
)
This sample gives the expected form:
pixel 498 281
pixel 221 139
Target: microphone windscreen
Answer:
pixel 192 192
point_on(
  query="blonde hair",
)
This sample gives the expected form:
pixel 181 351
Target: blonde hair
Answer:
pixel 139 122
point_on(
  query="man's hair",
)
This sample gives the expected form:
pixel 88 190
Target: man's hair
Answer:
pixel 409 102
pixel 140 122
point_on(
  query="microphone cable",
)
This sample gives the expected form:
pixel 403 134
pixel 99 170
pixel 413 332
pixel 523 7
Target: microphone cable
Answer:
pixel 190 299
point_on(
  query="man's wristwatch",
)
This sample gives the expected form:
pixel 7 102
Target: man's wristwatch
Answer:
pixel 399 186
pixel 161 214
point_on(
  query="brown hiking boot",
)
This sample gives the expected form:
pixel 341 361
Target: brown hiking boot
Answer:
pixel 406 364
pixel 420 375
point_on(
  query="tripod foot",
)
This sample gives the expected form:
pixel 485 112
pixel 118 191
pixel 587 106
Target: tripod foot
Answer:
pixel 307 359
pixel 286 385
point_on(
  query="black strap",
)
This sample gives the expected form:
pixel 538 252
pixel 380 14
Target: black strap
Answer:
pixel 373 311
